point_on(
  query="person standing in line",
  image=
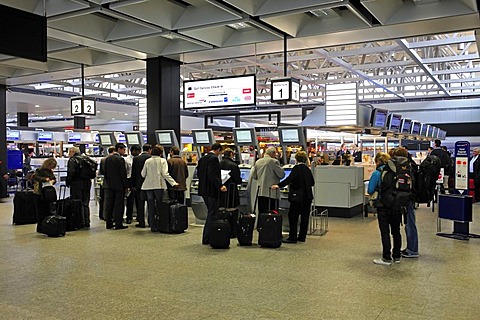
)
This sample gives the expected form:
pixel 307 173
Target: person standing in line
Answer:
pixel 42 175
pixel 445 160
pixel 475 172
pixel 177 168
pixel 79 185
pixel 235 179
pixel 134 151
pixel 137 181
pixel 209 186
pixel 300 183
pixel 388 220
pixel 103 186
pixel 267 171
pixel 116 177
pixel 155 172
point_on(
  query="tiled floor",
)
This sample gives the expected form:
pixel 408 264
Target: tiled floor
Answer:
pixel 135 274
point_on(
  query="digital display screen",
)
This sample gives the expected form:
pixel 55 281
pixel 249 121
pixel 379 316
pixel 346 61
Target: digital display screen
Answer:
pixel 13 135
pixel 429 131
pixel 394 122
pixel 290 135
pixel 220 92
pixel 287 173
pixel 164 138
pixel 121 138
pixel 45 136
pixel 105 139
pixel 202 137
pixel 406 124
pixel 379 118
pixel 435 132
pixel 132 138
pixel 245 174
pixel 415 128
pixel 423 130
pixel 14 159
pixel 243 136
pixel 74 137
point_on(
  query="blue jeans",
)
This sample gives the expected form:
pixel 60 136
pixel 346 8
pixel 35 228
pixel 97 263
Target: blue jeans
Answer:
pixel 411 230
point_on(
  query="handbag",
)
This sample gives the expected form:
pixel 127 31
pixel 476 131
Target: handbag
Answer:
pixel 296 195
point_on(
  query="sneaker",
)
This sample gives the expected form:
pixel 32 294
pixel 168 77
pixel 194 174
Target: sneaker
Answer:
pixel 396 260
pixel 409 255
pixel 382 262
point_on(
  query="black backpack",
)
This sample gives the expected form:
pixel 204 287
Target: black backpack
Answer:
pixel 87 167
pixel 396 187
pixel 427 176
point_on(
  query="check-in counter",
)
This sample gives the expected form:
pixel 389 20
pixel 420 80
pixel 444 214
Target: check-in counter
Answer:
pixel 368 169
pixel 339 189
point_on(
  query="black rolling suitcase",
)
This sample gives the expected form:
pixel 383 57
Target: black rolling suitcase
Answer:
pixel 220 228
pixel 54 226
pixel 24 211
pixel 71 209
pixel 246 225
pixel 173 216
pixel 270 230
pixel 230 214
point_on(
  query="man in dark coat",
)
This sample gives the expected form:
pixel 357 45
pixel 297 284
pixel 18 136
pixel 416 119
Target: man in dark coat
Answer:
pixel 228 164
pixel 137 181
pixel 116 177
pixel 209 186
pixel 177 168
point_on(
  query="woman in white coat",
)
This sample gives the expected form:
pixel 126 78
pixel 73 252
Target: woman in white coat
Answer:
pixel 155 172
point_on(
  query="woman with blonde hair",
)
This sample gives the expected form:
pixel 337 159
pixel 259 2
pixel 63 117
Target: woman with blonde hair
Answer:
pixel 42 175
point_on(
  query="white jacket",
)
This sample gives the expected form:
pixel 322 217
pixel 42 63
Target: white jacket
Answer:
pixel 155 172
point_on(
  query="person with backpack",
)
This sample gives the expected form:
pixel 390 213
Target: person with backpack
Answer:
pixel 80 172
pixel 389 179
pixel 445 162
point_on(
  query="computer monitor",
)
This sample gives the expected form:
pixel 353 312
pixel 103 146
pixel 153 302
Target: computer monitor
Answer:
pixel 107 139
pixel 394 122
pixel 74 137
pixel 287 173
pixel 244 136
pixel 429 131
pixel 406 124
pixel 291 135
pixel 379 118
pixel 435 132
pixel 166 138
pixel 45 136
pixel 245 174
pixel 13 135
pixel 203 137
pixel 415 128
pixel 423 130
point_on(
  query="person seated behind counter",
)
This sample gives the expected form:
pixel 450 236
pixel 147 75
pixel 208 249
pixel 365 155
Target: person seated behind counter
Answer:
pixel 300 197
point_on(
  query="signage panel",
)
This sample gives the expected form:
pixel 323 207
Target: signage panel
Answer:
pixel 462 156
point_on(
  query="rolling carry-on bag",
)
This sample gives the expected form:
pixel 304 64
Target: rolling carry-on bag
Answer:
pixel 270 231
pixel 246 225
pixel 220 229
pixel 71 209
pixel 173 216
pixel 54 226
pixel 230 214
pixel 24 211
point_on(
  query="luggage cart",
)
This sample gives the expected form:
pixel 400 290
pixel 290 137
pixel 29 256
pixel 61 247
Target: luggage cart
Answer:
pixel 318 224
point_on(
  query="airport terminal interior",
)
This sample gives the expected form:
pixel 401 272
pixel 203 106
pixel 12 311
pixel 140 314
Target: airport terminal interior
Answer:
pixel 342 80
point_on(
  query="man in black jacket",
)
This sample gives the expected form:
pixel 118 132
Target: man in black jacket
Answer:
pixel 209 186
pixel 235 179
pixel 116 177
pixel 445 161
pixel 137 181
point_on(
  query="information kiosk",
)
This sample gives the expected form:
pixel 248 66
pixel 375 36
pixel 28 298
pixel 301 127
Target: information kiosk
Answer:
pixel 291 137
pixel 284 205
pixel 106 139
pixel 134 138
pixel 247 145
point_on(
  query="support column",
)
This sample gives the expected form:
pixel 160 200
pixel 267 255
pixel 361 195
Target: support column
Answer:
pixel 3 142
pixel 22 119
pixel 163 96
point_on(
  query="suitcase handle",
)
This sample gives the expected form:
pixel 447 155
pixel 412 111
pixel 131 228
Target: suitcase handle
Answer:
pixel 255 202
pixel 64 187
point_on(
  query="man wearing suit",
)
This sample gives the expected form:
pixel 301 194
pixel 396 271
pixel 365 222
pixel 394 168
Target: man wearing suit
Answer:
pixel 475 172
pixel 116 176
pixel 228 164
pixel 268 172
pixel 103 186
pixel 137 181
pixel 209 186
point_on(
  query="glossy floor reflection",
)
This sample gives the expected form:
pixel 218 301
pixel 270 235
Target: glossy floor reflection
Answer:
pixel 135 274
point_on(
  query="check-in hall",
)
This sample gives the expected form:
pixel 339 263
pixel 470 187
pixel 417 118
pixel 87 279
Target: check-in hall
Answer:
pixel 239 159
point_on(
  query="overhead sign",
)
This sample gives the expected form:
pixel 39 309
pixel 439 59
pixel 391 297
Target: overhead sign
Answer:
pixel 83 106
pixel 284 90
pixel 219 92
pixel 341 104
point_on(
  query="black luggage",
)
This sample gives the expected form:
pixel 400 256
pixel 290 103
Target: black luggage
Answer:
pixel 71 209
pixel 24 211
pixel 220 234
pixel 270 230
pixel 246 225
pixel 173 216
pixel 230 214
pixel 54 226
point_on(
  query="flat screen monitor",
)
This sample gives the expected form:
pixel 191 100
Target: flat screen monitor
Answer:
pixel 134 138
pixel 13 135
pixel 429 131
pixel 107 139
pixel 166 138
pixel 394 122
pixel 406 124
pixel 435 132
pixel 423 130
pixel 245 174
pixel 244 136
pixel 203 137
pixel 415 128
pixel 287 173
pixel 379 118
pixel 74 137
pixel 45 136
pixel 290 135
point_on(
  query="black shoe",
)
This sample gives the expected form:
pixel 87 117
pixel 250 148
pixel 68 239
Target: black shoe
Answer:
pixel 109 226
pixel 129 221
pixel 205 242
pixel 301 240
pixel 288 240
pixel 87 226
pixel 138 225
pixel 121 227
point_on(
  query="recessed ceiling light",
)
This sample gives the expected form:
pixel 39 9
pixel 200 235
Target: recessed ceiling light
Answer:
pixel 37 106
pixel 113 118
pixel 126 114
